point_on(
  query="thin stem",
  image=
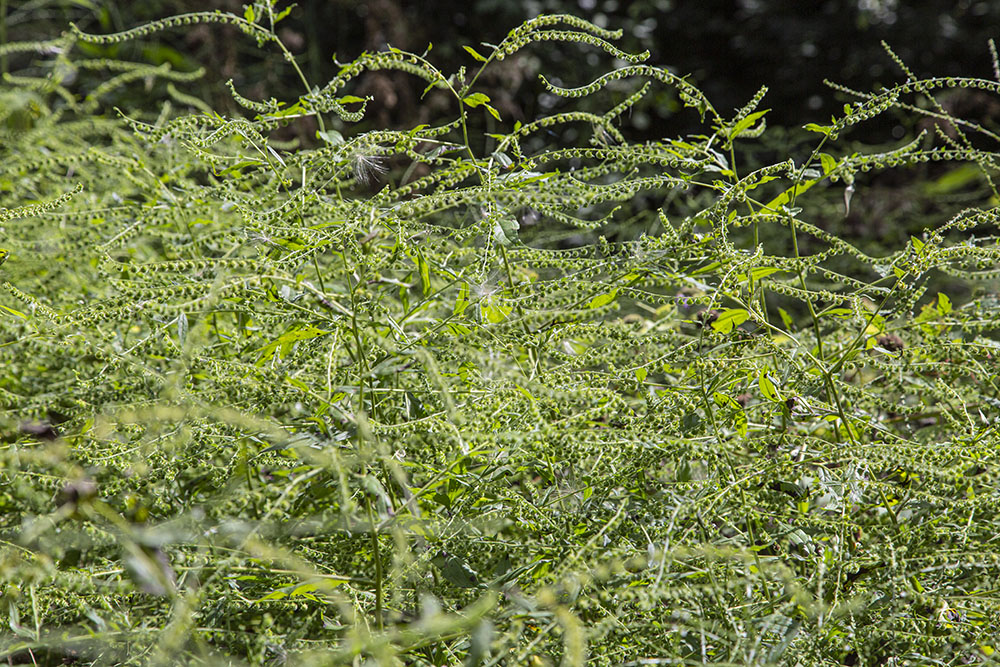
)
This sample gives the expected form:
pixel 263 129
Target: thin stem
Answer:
pixel 377 555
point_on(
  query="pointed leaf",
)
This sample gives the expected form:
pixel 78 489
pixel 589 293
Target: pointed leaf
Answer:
pixel 746 123
pixel 767 387
pixel 822 129
pixel 425 274
pixel 182 327
pixel 943 304
pixel 762 272
pixel 474 54
pixel 493 112
pixel 829 162
pixel 496 313
pixel 730 319
pixel 16 313
pixel 603 299
pixel 462 302
pixel 475 99
pixel 786 196
pixel 786 319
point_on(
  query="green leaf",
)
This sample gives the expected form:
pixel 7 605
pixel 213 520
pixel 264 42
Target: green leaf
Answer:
pixel 305 590
pixel 479 99
pixel 730 319
pixel 475 99
pixel 526 177
pixel 298 384
pixel 603 299
pixel 705 269
pixel 294 110
pixel 349 99
pixel 16 313
pixel 786 196
pixel 524 392
pixel 746 123
pixel 724 400
pixel 285 341
pixel 762 181
pixel 742 424
pixel 283 13
pixel 822 129
pixel 505 230
pixel 918 245
pixel 331 137
pixel 496 313
pixel 876 325
pixel 762 272
pixel 248 14
pixel 767 387
pixel 425 274
pixel 474 54
pixel 237 169
pixel 462 302
pixel 641 373
pixel 274 595
pixel 739 414
pixel 786 319
pixel 829 163
pixel 943 304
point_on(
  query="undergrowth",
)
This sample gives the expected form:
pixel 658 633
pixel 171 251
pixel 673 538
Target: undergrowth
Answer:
pixel 459 394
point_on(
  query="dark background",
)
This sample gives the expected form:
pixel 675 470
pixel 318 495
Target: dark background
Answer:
pixel 729 47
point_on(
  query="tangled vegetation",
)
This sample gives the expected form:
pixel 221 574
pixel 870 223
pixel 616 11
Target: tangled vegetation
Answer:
pixel 484 392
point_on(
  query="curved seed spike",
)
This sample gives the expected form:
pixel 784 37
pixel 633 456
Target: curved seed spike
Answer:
pixel 181 20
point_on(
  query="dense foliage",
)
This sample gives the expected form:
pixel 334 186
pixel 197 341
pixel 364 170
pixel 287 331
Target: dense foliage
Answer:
pixel 482 391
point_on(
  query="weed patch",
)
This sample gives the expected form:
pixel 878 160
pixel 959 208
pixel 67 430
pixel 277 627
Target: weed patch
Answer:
pixel 474 393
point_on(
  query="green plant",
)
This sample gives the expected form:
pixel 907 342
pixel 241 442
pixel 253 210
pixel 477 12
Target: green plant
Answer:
pixel 397 397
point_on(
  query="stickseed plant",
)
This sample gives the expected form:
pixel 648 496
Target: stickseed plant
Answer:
pixel 458 394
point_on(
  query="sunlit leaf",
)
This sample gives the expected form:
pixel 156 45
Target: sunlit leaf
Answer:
pixel 729 319
pixel 474 54
pixel 603 299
